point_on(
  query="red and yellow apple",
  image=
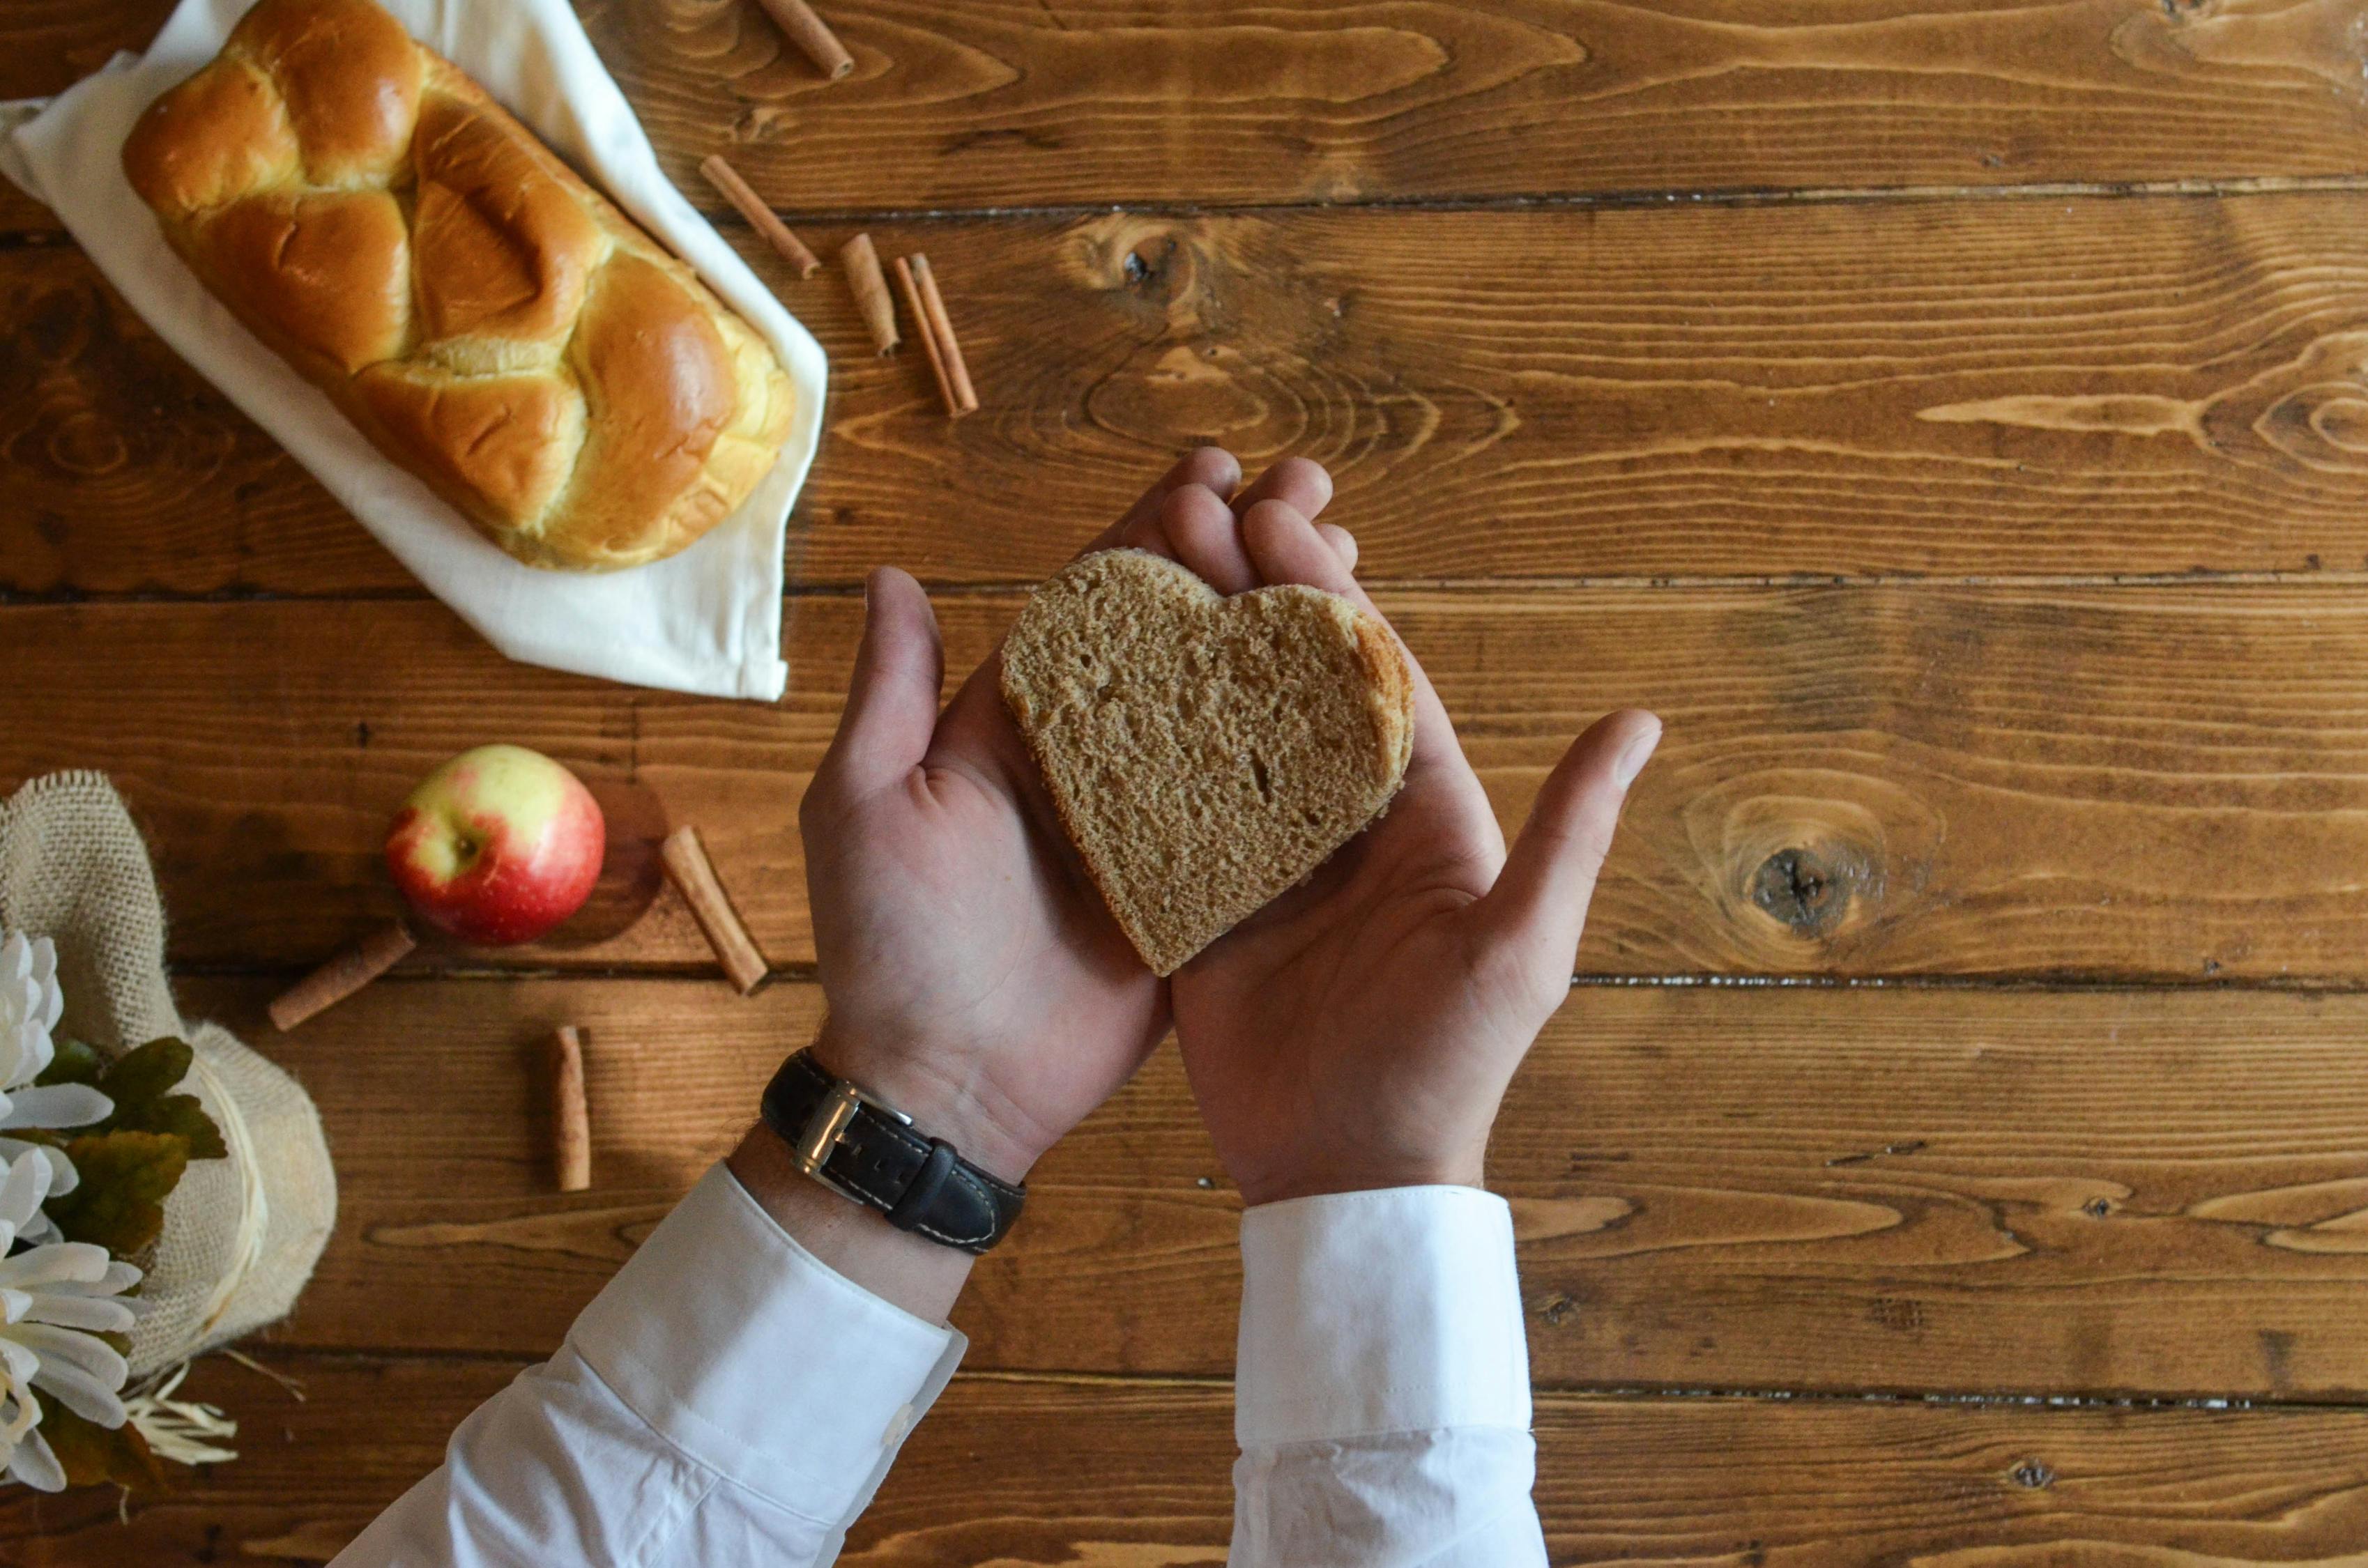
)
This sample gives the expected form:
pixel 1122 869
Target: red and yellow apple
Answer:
pixel 497 845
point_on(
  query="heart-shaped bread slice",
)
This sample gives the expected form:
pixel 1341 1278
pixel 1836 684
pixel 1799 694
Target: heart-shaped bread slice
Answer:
pixel 1205 753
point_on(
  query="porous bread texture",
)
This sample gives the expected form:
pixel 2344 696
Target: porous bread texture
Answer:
pixel 1205 753
pixel 488 320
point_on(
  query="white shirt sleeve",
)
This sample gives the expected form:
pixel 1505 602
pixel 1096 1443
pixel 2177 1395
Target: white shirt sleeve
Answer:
pixel 1382 1386
pixel 728 1398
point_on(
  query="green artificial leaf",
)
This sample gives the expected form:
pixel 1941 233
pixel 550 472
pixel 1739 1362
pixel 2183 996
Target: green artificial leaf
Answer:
pixel 146 1073
pixel 119 1203
pixel 175 1115
pixel 140 1082
pixel 74 1063
pixel 90 1453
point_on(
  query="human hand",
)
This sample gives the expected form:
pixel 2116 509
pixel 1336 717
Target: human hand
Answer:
pixel 1361 1031
pixel 974 978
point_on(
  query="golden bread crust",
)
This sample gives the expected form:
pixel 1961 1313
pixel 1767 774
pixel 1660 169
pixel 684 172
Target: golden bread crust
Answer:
pixel 488 320
pixel 326 278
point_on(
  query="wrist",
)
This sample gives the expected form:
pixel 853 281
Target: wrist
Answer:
pixel 855 1242
pixel 938 1091
pixel 1320 1178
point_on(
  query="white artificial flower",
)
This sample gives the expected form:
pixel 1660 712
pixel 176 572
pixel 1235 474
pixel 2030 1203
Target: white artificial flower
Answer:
pixel 30 1005
pixel 55 1301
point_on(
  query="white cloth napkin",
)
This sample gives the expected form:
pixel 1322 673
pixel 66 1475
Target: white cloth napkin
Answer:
pixel 707 621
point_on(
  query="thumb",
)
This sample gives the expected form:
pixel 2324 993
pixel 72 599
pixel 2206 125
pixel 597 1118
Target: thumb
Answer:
pixel 892 703
pixel 1539 904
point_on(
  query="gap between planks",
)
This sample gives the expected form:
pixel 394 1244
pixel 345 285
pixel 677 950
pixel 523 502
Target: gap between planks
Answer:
pixel 289 1355
pixel 1718 195
pixel 660 973
pixel 1642 1393
pixel 1729 195
pixel 17 598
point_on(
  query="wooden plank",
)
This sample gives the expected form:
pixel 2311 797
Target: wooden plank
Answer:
pixel 310 1474
pixel 2166 783
pixel 1974 1190
pixel 1111 100
pixel 1974 389
pixel 20 215
pixel 997 1474
pixel 52 44
pixel 1234 101
pixel 46 46
pixel 1665 1482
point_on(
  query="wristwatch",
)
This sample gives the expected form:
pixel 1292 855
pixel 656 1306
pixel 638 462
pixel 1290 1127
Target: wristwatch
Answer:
pixel 866 1150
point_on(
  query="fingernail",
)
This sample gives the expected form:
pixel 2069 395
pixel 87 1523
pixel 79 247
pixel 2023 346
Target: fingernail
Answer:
pixel 1632 761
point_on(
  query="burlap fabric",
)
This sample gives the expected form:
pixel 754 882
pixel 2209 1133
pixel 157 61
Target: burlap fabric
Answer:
pixel 242 1234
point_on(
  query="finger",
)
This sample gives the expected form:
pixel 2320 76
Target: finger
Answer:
pixel 1301 484
pixel 892 703
pixel 1207 539
pixel 1213 467
pixel 1539 904
pixel 977 730
pixel 1286 547
pixel 1343 543
pixel 1146 533
pixel 1193 513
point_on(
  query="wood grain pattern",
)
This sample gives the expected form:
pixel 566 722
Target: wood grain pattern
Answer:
pixel 1709 1482
pixel 2025 320
pixel 992 1478
pixel 310 1474
pixel 51 45
pixel 1108 100
pixel 2166 783
pixel 2143 1193
pixel 1982 389
pixel 1010 104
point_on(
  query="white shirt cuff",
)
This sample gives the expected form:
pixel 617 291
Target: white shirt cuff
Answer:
pixel 758 1360
pixel 1369 1312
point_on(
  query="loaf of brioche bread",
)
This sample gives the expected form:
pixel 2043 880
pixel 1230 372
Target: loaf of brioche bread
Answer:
pixel 488 320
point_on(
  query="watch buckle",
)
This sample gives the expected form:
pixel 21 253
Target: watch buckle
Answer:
pixel 819 1138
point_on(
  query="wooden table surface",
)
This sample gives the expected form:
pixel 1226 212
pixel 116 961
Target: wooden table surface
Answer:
pixel 1951 415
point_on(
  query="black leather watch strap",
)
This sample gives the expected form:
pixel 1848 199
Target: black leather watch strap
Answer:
pixel 872 1153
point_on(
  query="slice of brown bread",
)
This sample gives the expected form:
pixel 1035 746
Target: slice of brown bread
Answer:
pixel 1205 753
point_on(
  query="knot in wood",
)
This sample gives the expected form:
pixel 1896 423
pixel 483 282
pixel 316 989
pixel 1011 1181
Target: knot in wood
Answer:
pixel 60 325
pixel 1157 266
pixel 2033 1474
pixel 1804 889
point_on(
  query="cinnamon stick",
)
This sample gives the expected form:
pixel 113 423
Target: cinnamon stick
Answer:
pixel 761 218
pixel 928 339
pixel 686 867
pixel 571 1116
pixel 941 327
pixel 353 967
pixel 810 33
pixel 863 276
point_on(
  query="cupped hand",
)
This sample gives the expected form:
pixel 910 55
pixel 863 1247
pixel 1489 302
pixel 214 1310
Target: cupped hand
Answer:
pixel 974 979
pixel 1360 1031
